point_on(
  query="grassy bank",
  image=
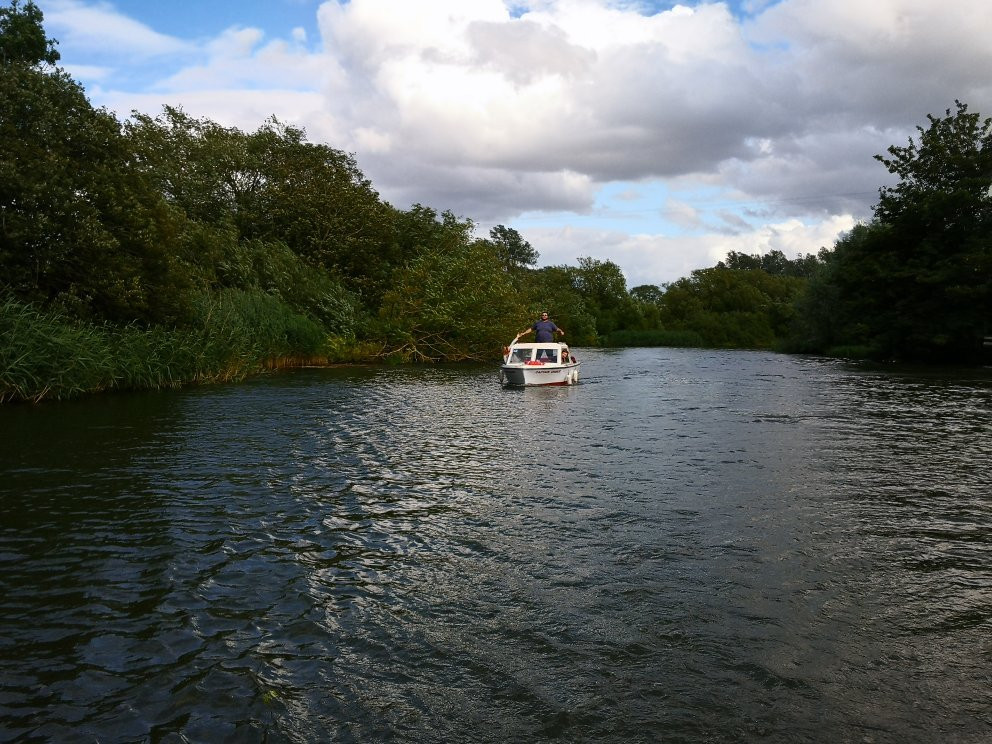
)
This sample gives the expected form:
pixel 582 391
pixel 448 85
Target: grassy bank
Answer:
pixel 46 355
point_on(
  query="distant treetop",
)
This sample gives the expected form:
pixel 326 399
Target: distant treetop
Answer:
pixel 22 36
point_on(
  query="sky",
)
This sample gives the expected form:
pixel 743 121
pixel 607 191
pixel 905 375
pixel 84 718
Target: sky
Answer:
pixel 656 135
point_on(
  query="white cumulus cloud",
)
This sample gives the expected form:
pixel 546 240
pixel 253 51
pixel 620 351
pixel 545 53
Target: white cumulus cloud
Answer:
pixel 498 110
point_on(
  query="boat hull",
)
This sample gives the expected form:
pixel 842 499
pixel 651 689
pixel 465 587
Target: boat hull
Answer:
pixel 518 375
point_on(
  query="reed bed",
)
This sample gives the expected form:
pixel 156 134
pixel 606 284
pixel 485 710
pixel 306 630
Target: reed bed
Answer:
pixel 46 355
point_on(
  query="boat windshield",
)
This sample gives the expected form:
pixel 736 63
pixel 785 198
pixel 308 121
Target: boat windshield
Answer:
pixel 545 356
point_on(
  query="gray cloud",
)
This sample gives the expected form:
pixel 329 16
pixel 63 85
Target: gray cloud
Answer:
pixel 497 115
pixel 821 94
pixel 525 50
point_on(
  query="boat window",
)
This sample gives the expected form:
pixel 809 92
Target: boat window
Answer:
pixel 520 355
pixel 547 355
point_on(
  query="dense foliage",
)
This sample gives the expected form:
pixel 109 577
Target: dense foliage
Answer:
pixel 747 301
pixel 168 249
pixel 915 282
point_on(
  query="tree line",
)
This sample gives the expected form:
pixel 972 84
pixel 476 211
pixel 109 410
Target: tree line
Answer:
pixel 168 249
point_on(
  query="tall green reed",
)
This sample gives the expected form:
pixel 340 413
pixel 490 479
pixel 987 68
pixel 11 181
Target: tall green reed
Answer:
pixel 47 355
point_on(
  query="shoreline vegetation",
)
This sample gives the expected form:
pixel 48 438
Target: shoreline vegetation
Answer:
pixel 163 251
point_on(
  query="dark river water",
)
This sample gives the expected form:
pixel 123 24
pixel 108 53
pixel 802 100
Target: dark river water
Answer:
pixel 688 546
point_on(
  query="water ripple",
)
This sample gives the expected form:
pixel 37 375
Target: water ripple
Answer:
pixel 687 546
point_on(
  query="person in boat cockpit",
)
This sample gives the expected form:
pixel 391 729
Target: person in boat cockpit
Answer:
pixel 544 329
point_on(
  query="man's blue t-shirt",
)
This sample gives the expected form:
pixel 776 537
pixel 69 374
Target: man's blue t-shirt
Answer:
pixel 545 331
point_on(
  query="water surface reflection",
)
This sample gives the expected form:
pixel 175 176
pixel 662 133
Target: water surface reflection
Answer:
pixel 688 546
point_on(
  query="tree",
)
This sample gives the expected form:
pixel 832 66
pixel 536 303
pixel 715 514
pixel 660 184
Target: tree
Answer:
pixel 274 186
pixel 917 281
pixel 647 293
pixel 553 289
pixel 774 262
pixel 603 288
pixel 317 200
pixel 273 269
pixel 732 308
pixel 22 36
pixel 741 261
pixel 512 249
pixel 452 302
pixel 953 158
pixel 79 224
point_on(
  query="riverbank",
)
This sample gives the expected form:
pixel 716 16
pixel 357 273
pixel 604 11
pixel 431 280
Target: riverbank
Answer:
pixel 49 356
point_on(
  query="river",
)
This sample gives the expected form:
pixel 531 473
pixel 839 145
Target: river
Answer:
pixel 688 546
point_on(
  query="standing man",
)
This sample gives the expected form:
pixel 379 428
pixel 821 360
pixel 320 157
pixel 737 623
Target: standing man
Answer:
pixel 545 330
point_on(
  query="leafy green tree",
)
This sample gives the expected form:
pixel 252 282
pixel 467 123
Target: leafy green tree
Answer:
pixel 412 232
pixel 22 36
pixel 276 270
pixel 80 226
pixel 552 288
pixel 316 200
pixel 198 166
pixel 807 265
pixel 952 164
pixel 645 311
pixel 649 294
pixel 774 262
pixel 274 186
pixel 741 261
pixel 603 288
pixel 917 281
pixel 821 322
pixel 422 227
pixel 731 308
pixel 513 250
pixel 452 302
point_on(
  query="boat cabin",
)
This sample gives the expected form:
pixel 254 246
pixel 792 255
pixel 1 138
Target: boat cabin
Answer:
pixel 539 353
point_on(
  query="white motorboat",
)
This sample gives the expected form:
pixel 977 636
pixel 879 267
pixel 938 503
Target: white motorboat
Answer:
pixel 538 364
